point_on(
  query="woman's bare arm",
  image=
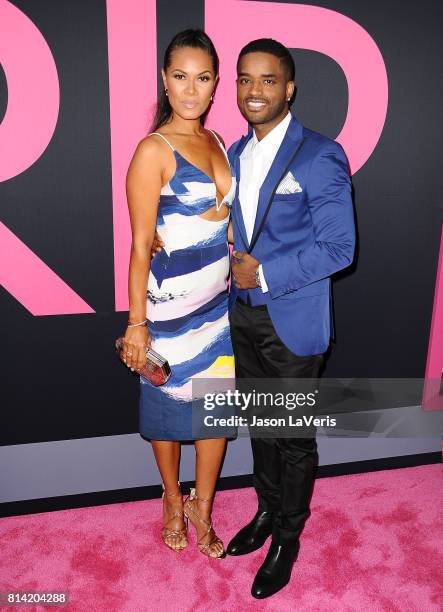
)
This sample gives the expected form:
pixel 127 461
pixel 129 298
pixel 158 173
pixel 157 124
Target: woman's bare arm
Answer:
pixel 143 185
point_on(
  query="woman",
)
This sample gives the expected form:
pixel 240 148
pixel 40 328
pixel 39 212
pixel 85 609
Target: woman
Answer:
pixel 179 181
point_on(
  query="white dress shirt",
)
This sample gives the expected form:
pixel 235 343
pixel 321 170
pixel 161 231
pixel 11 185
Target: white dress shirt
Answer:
pixel 255 161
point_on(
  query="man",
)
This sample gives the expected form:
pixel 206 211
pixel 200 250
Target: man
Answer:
pixel 293 227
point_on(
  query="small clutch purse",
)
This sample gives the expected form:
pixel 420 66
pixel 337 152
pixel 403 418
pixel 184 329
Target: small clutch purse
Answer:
pixel 156 370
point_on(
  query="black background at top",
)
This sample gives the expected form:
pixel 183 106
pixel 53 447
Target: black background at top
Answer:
pixel 60 378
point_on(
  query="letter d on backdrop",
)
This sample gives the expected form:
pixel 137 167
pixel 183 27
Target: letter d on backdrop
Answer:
pixel 233 23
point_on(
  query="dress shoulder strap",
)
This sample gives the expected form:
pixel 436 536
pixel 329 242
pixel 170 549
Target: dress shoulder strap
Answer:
pixel 165 139
pixel 219 142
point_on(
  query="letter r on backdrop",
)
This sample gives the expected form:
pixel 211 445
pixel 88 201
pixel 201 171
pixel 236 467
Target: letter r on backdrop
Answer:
pixel 25 132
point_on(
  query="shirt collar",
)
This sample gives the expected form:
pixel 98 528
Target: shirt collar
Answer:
pixel 272 141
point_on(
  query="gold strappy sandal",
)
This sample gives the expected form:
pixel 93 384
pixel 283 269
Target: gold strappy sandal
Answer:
pixel 191 514
pixel 168 534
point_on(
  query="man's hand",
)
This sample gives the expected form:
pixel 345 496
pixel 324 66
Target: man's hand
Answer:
pixel 157 245
pixel 244 267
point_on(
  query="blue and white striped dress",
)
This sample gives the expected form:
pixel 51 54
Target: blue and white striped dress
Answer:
pixel 187 303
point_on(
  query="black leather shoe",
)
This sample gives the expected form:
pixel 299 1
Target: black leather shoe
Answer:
pixel 252 536
pixel 276 569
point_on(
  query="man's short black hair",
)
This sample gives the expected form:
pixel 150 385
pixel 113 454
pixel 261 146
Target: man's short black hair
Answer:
pixel 269 45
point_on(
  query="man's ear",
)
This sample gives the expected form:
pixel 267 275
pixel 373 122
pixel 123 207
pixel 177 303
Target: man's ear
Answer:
pixel 290 88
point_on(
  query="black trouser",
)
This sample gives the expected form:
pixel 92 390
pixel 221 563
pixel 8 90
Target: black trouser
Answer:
pixel 283 467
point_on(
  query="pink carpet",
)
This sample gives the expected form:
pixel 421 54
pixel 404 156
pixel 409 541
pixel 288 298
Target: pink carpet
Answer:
pixel 373 543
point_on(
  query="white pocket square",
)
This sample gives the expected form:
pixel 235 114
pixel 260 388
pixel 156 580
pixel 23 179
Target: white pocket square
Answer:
pixel 289 185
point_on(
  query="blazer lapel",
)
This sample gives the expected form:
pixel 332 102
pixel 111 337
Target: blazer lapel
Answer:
pixel 236 208
pixel 292 137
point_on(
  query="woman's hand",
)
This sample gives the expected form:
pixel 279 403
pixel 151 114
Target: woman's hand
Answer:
pixel 136 341
pixel 157 244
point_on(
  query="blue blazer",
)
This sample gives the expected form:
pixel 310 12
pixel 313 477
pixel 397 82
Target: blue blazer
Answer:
pixel 306 236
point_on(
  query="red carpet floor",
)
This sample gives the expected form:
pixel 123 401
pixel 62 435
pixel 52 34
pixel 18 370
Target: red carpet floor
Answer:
pixel 373 543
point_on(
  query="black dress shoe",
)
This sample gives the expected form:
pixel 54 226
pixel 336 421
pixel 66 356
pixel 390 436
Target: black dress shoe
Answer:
pixel 276 569
pixel 253 535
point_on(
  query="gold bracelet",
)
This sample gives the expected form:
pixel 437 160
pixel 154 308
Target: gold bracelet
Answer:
pixel 136 324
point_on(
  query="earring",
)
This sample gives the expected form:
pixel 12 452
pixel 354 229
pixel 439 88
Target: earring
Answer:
pixel 212 97
pixel 166 92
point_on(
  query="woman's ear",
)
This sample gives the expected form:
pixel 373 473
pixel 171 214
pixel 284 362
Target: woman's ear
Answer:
pixel 164 79
pixel 216 81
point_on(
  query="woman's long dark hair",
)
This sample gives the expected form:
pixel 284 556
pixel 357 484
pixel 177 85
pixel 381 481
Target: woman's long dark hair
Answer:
pixel 197 39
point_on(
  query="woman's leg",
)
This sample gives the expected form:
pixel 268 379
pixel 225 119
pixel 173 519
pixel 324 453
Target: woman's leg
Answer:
pixel 209 457
pixel 167 456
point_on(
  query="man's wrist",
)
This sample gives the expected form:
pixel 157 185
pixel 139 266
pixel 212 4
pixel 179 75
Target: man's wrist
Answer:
pixel 257 277
pixel 263 284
